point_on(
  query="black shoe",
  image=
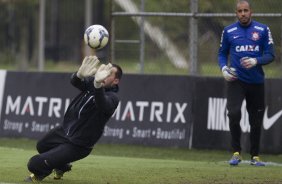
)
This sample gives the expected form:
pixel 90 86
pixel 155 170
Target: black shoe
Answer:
pixel 59 173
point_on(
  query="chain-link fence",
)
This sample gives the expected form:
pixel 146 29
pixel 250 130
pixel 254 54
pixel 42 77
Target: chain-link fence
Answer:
pixel 161 41
pixel 170 23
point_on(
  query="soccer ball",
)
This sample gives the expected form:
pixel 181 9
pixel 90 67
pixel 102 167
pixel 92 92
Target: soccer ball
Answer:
pixel 96 36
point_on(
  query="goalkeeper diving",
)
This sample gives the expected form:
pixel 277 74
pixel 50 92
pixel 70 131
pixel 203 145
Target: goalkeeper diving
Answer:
pixel 83 122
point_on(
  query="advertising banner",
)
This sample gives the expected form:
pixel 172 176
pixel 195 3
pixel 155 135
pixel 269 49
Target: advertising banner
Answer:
pixel 211 124
pixel 153 110
pixel 33 103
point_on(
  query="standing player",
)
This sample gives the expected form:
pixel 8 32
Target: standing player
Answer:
pixel 83 122
pixel 249 45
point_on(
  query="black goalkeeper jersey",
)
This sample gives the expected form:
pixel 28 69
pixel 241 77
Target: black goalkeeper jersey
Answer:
pixel 89 111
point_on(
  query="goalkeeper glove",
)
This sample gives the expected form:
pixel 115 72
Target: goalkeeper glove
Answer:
pixel 229 74
pixel 88 67
pixel 102 73
pixel 247 62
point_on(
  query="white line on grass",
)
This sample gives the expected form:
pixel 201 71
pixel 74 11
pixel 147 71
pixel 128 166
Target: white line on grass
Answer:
pixel 266 163
pixel 9 148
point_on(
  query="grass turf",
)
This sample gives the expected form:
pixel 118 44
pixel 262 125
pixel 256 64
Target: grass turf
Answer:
pixel 124 164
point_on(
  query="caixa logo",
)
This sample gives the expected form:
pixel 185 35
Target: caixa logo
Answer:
pixel 152 111
pixel 36 106
pixel 217 116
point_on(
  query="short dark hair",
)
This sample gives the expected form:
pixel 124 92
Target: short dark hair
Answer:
pixel 119 71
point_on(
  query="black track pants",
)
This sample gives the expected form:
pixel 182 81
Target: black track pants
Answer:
pixel 237 91
pixel 55 152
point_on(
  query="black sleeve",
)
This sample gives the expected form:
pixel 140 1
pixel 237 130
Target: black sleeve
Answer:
pixel 106 101
pixel 82 84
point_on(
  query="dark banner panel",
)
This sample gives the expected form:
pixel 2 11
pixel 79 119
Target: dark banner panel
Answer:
pixel 271 140
pixel 210 128
pixel 154 110
pixel 34 103
pixel 211 125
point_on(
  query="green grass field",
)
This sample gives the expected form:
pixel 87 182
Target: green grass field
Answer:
pixel 128 164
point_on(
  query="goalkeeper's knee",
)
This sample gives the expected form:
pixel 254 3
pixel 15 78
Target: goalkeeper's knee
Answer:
pixel 39 166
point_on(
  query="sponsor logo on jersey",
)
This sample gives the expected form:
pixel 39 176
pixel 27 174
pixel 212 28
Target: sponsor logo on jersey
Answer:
pixel 247 48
